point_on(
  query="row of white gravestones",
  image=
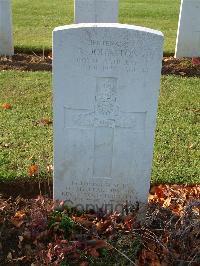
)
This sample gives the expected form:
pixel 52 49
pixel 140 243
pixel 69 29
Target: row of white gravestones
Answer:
pixel 106 83
pixel 99 11
pixel 188 35
pixel 6 39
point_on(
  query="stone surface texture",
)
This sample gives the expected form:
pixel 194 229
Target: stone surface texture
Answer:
pixel 96 11
pixel 188 34
pixel 106 81
pixel 6 38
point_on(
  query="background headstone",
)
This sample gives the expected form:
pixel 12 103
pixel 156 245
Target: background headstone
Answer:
pixel 106 83
pixel 188 34
pixel 100 11
pixel 6 39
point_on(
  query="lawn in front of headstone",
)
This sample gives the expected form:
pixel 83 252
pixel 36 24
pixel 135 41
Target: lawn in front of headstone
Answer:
pixel 26 129
pixel 32 33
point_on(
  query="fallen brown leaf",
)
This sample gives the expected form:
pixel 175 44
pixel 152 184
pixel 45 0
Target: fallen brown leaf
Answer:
pixel 18 219
pixel 43 122
pixel 94 253
pixel 6 106
pixel 96 243
pixel 84 263
pixel 149 258
pixel 84 222
pixel 33 170
pixel 196 60
pixel 16 222
pixel 167 202
pixel 20 214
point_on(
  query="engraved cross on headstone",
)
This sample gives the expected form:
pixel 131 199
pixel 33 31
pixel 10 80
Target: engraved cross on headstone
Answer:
pixel 105 119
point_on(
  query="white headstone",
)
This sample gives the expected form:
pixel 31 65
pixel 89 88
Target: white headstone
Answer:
pixel 106 83
pixel 188 34
pixel 102 11
pixel 6 39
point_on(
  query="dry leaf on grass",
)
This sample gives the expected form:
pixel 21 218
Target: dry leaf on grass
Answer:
pixel 43 122
pixel 6 106
pixel 33 170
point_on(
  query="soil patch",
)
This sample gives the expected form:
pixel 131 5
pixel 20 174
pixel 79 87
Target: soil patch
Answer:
pixel 26 188
pixel 42 232
pixel 181 67
pixel 34 62
pixel 26 62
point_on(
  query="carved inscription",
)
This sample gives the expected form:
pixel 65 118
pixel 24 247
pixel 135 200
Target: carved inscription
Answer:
pixel 108 55
pixel 111 60
pixel 94 191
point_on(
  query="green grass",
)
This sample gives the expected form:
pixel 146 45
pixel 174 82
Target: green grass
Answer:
pixel 34 20
pixel 177 156
pixel 22 140
pixel 156 14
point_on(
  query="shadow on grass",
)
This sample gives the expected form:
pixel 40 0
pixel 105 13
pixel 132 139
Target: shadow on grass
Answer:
pixel 33 50
pixel 27 187
pixel 47 50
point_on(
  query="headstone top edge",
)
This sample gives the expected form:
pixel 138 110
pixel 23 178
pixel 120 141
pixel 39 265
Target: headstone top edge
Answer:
pixel 108 25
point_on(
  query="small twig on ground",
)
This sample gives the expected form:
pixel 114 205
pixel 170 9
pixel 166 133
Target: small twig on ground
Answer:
pixel 124 255
pixel 193 259
pixel 36 54
pixel 43 52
